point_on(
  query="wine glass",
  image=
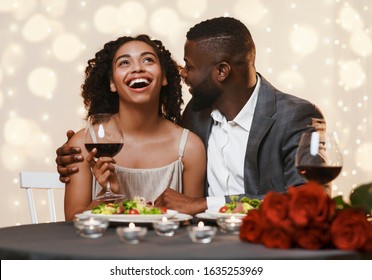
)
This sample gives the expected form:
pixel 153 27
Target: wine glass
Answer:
pixel 319 157
pixel 103 133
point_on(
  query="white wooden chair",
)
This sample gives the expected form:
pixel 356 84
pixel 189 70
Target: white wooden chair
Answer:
pixel 40 180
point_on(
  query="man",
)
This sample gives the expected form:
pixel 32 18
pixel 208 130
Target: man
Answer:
pixel 250 129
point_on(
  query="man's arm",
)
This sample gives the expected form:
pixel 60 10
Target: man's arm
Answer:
pixel 174 200
pixel 67 155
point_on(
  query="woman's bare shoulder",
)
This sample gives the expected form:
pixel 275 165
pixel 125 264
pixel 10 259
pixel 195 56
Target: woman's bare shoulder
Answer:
pixel 77 139
pixel 195 141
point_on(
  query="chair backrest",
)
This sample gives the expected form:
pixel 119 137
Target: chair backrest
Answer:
pixel 40 180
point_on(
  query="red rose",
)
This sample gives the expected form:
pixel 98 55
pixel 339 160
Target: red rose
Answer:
pixel 276 237
pixel 350 230
pixel 309 203
pixel 314 236
pixel 275 207
pixel 368 246
pixel 305 217
pixel 252 226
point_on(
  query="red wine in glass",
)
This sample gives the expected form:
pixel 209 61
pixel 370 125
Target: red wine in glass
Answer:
pixel 321 174
pixel 104 149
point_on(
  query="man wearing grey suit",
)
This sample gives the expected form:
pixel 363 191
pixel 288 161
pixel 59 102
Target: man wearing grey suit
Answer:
pixel 250 129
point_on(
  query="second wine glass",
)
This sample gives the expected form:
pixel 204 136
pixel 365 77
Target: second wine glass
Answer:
pixel 103 133
pixel 319 157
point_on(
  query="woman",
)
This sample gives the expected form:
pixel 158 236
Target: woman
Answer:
pixel 137 79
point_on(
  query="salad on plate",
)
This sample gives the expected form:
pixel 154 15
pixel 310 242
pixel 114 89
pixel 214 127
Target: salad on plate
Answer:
pixel 236 207
pixel 241 206
pixel 137 206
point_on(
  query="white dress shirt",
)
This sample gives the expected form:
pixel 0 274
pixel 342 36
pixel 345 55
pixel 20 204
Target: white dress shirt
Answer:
pixel 228 139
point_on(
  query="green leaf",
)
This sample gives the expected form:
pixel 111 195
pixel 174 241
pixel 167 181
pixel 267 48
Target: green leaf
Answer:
pixel 234 198
pixel 362 197
pixel 340 203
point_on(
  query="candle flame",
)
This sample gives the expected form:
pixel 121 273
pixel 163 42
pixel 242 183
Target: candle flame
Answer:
pixel 200 224
pixel 132 225
pixel 164 219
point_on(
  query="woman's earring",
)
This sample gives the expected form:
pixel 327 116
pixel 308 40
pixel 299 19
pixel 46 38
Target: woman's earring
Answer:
pixel 112 88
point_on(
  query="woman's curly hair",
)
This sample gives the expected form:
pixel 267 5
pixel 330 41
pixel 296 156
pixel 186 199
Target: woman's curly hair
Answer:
pixel 96 88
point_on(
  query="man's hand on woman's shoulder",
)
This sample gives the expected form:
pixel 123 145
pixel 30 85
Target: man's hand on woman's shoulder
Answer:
pixel 67 155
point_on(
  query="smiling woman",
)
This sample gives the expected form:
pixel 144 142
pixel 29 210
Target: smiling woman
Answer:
pixel 136 79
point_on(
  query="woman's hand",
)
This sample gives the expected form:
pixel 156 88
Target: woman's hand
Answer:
pixel 103 170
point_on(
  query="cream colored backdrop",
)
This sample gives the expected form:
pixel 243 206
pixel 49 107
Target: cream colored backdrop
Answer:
pixel 320 50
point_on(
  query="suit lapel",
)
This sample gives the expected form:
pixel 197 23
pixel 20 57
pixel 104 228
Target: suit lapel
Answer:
pixel 261 123
pixel 206 125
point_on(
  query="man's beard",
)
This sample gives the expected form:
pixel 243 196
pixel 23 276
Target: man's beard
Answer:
pixel 205 94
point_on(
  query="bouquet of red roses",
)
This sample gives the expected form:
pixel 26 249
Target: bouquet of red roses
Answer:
pixel 306 217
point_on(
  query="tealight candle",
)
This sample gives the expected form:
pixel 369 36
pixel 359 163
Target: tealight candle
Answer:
pixel 165 227
pixel 229 224
pixel 90 227
pixel 131 234
pixel 201 233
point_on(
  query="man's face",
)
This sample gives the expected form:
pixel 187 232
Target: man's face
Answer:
pixel 197 74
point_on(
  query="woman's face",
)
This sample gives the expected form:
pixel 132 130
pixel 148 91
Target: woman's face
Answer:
pixel 137 74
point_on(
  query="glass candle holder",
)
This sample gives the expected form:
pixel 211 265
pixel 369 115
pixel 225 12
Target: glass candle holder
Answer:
pixel 131 234
pixel 165 227
pixel 229 224
pixel 90 227
pixel 201 233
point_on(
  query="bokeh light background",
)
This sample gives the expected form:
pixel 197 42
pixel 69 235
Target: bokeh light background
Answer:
pixel 320 50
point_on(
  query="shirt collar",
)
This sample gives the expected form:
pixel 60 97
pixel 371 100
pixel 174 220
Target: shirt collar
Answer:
pixel 245 116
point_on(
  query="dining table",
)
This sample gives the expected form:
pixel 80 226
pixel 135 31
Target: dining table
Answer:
pixel 57 241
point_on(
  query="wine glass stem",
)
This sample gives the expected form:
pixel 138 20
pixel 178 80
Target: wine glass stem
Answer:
pixel 108 189
pixel 328 189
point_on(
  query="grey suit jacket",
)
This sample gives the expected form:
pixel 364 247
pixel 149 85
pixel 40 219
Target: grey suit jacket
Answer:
pixel 278 122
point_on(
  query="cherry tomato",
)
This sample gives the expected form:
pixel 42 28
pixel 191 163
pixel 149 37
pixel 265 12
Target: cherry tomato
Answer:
pixel 133 212
pixel 223 209
pixel 163 210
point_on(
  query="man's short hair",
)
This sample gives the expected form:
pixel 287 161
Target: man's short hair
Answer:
pixel 223 35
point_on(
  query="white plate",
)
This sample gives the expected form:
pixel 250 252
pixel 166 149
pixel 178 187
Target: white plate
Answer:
pixel 133 218
pixel 215 214
pixel 204 216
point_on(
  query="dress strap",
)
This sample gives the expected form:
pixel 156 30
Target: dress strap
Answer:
pixel 92 134
pixel 183 141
